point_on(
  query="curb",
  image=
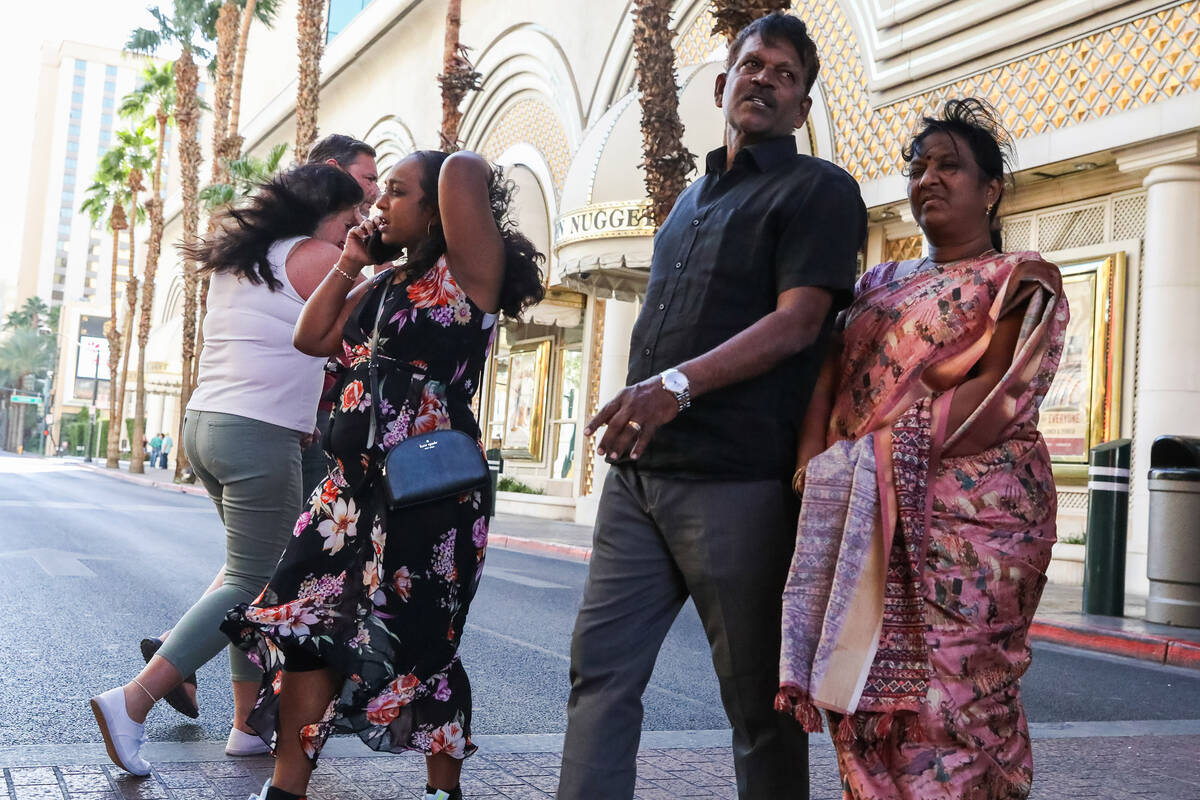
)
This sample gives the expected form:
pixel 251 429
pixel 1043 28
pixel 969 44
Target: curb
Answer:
pixel 1142 646
pixel 537 547
pixel 151 483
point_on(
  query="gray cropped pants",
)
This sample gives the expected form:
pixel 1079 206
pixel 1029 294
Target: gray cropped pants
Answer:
pixel 251 470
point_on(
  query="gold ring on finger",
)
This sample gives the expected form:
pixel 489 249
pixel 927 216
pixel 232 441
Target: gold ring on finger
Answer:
pixel 637 426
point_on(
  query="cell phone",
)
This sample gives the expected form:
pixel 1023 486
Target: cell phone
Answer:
pixel 380 251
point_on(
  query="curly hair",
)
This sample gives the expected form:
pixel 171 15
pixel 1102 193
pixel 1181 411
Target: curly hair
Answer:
pixel 776 27
pixel 523 284
pixel 290 204
pixel 978 124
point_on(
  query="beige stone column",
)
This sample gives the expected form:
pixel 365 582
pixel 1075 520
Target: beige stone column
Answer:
pixel 1167 393
pixel 619 317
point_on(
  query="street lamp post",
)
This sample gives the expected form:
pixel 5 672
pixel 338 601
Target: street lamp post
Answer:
pixel 87 458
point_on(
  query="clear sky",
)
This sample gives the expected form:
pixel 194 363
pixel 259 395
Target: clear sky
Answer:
pixel 27 26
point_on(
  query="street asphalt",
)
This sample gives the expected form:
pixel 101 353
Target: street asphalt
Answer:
pixel 90 565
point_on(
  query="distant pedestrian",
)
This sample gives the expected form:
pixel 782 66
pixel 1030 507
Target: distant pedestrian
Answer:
pixel 255 400
pixel 155 449
pixel 748 270
pixel 167 444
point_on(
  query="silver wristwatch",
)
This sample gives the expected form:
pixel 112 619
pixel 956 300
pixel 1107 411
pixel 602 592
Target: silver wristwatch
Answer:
pixel 676 383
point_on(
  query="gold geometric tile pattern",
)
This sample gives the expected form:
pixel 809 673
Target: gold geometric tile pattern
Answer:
pixel 1133 64
pixel 534 123
pixel 902 249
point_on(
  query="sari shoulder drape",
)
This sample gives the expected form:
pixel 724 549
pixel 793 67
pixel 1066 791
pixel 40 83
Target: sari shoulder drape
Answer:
pixel 908 342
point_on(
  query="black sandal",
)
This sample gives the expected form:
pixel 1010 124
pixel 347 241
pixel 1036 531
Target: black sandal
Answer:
pixel 177 698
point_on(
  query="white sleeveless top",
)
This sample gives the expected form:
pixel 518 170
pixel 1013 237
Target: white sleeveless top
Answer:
pixel 248 366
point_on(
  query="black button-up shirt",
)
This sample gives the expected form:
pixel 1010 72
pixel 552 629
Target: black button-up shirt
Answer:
pixel 734 241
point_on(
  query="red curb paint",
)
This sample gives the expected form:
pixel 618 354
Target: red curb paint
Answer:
pixel 552 549
pixel 149 483
pixel 1183 654
pixel 1114 642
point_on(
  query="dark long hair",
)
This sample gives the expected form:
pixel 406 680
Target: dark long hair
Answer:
pixel 290 204
pixel 522 285
pixel 977 124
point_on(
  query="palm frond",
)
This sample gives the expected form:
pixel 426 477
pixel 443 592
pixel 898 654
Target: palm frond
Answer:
pixel 217 195
pixel 275 157
pixel 144 41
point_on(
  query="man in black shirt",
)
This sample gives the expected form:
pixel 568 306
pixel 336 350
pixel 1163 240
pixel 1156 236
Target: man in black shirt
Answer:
pixel 748 270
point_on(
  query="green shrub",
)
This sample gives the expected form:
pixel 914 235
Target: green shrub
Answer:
pixel 507 484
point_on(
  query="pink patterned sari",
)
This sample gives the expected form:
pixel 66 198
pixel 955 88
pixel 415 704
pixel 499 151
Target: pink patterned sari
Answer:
pixel 916 576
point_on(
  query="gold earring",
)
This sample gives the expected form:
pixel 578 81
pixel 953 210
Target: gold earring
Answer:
pixel 989 209
pixel 429 229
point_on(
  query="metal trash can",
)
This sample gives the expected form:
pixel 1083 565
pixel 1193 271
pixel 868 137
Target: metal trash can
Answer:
pixel 495 466
pixel 1174 537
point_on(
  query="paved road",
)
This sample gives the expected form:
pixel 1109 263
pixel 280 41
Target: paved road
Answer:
pixel 89 565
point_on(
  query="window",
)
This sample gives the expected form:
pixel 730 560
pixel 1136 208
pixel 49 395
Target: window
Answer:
pixel 71 163
pixel 56 296
pixel 340 14
pixel 110 71
pixel 106 120
pixel 74 129
pixel 72 146
pixel 79 80
pixel 76 100
pixel 570 393
pixel 64 230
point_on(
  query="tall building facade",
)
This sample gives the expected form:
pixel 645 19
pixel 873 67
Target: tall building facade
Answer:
pixel 1102 101
pixel 64 258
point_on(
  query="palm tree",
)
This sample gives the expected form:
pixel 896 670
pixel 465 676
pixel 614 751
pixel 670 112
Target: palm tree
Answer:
pixel 25 352
pixel 244 175
pixel 233 32
pixel 30 315
pixel 667 162
pixel 189 27
pixel 264 11
pixel 310 18
pixel 733 15
pixel 458 77
pixel 106 195
pixel 153 102
pixel 135 145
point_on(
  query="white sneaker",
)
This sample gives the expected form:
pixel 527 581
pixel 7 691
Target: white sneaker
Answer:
pixel 123 737
pixel 241 743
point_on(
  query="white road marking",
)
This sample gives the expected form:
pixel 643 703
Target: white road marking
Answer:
pixel 567 660
pixel 513 576
pixel 112 508
pixel 59 563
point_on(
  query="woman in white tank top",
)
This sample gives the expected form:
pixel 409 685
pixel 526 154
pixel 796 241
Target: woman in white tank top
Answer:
pixel 255 399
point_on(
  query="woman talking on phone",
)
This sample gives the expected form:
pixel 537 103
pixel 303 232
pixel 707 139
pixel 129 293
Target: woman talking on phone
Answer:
pixel 360 625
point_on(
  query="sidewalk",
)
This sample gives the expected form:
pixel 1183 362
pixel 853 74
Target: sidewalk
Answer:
pixel 1060 618
pixel 1108 764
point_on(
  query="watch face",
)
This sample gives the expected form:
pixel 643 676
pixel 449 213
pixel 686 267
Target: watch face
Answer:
pixel 675 381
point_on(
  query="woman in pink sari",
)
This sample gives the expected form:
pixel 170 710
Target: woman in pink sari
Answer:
pixel 928 518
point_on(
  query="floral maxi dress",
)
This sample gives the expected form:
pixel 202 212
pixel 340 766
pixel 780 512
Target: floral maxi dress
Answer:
pixel 380 595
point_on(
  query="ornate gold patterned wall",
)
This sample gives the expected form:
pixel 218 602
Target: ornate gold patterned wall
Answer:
pixel 902 249
pixel 1133 64
pixel 534 123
